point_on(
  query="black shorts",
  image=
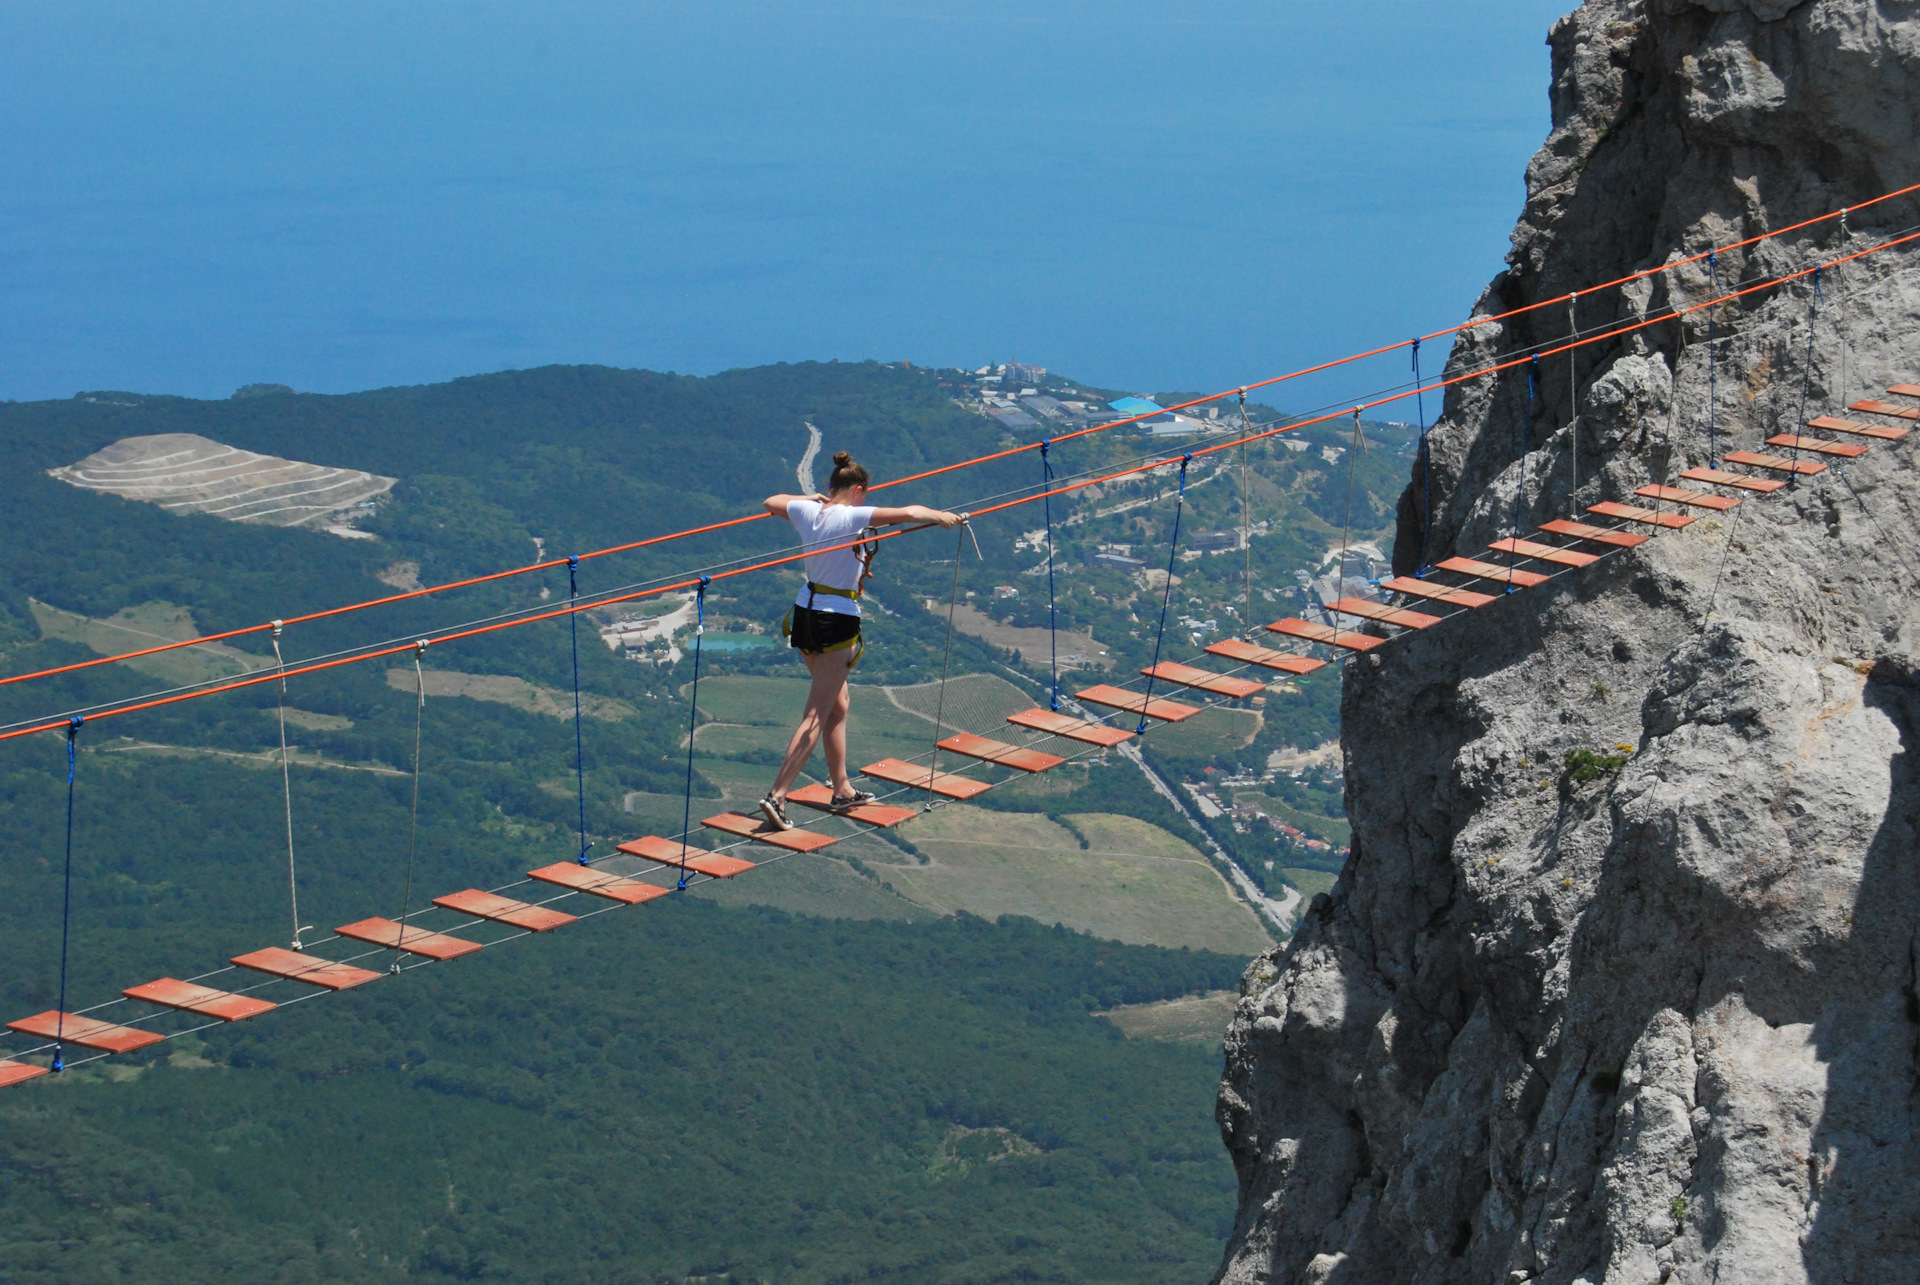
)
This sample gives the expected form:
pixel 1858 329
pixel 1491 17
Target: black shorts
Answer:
pixel 817 631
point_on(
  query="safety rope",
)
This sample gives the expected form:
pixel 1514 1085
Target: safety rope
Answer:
pixel 66 902
pixel 1664 474
pixel 1173 551
pixel 1526 463
pixel 1053 628
pixel 413 824
pixel 579 742
pixel 1806 372
pixel 1713 334
pixel 1886 541
pixel 286 792
pixel 1246 515
pixel 1573 408
pixel 940 707
pixel 1840 310
pixel 1354 453
pixel 693 718
pixel 1426 463
pixel 1713 592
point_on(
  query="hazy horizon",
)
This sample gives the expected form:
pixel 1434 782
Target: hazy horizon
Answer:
pixel 201 196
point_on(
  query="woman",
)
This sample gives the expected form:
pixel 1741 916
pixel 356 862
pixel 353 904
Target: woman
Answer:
pixel 826 619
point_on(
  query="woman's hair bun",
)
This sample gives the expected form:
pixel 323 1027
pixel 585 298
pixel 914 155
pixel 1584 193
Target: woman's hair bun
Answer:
pixel 846 473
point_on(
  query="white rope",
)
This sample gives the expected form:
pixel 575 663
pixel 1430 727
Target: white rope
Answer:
pixel 286 793
pixel 413 826
pixel 1573 410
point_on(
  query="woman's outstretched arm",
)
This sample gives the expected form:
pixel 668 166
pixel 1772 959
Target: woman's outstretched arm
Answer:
pixel 911 513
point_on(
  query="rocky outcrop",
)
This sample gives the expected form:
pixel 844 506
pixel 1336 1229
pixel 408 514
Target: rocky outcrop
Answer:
pixel 1655 1020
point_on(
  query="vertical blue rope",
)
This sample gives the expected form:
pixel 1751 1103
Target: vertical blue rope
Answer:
pixel 1713 437
pixel 1173 550
pixel 1053 636
pixel 66 902
pixel 579 749
pixel 1426 463
pixel 693 714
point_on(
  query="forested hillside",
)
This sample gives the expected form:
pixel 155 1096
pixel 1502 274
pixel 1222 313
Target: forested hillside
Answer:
pixel 861 1083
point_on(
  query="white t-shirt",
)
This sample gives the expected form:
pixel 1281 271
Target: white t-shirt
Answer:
pixel 822 526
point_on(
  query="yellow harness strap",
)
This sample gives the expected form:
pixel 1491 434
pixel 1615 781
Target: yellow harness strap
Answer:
pixel 830 590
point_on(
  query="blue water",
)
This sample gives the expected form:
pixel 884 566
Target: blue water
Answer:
pixel 197 194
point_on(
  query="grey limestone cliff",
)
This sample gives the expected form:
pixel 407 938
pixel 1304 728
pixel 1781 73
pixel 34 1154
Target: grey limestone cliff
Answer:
pixel 1659 1024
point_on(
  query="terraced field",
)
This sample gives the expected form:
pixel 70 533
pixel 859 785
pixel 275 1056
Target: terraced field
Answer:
pixel 187 473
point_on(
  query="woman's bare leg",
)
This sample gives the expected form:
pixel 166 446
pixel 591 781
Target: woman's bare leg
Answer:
pixel 826 713
pixel 836 737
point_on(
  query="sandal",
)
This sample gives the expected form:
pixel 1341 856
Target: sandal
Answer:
pixel 775 811
pixel 857 799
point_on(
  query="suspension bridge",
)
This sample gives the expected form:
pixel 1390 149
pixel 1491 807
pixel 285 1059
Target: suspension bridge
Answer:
pixel 962 763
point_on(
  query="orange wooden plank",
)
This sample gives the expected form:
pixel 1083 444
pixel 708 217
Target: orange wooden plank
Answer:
pixel 1294 627
pixel 760 830
pixel 415 941
pixel 1545 552
pixel 311 969
pixel 979 747
pixel 1720 477
pixel 12 1072
pixel 1634 513
pixel 943 783
pixel 485 905
pixel 1597 534
pixel 1438 592
pixel 1905 390
pixel 170 992
pixel 588 880
pixel 1818 445
pixel 1382 612
pixel 1871 407
pixel 1681 495
pixel 668 853
pixel 1078 729
pixel 1880 432
pixel 84 1031
pixel 1488 571
pixel 881 814
pixel 1205 680
pixel 1803 467
pixel 1137 703
pixel 1254 654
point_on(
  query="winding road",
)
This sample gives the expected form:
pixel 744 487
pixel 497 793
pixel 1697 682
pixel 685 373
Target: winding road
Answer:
pixel 805 472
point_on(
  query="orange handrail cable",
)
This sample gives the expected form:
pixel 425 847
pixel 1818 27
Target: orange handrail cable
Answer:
pixel 1469 324
pixel 274 674
pixel 378 602
pixel 477 631
pixel 1479 373
pixel 1630 278
pixel 1016 450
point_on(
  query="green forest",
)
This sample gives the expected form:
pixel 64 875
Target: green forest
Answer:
pixel 701 1088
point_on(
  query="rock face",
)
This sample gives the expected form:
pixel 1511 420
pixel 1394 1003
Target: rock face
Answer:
pixel 1659 1024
